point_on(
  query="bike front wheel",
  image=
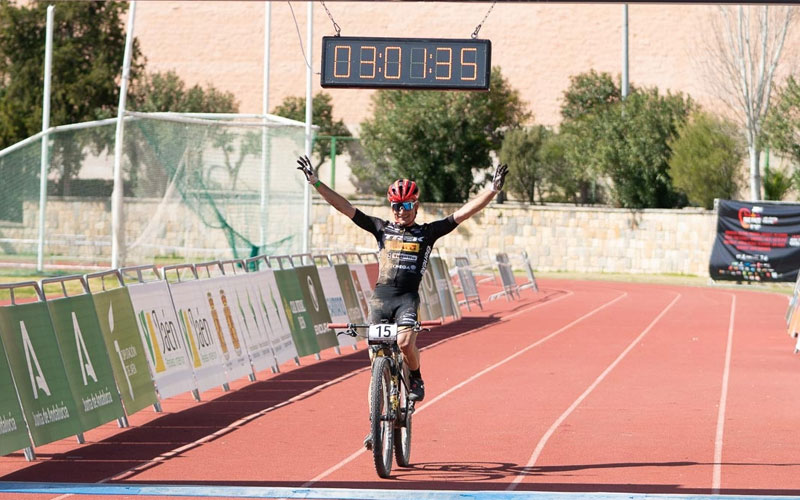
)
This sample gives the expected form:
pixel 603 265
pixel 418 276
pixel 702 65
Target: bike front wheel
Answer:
pixel 381 416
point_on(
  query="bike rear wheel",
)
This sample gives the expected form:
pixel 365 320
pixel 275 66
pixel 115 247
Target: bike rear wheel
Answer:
pixel 402 431
pixel 381 418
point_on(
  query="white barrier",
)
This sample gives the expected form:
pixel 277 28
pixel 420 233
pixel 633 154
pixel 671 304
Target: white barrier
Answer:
pixel 469 288
pixel 160 331
pixel 269 299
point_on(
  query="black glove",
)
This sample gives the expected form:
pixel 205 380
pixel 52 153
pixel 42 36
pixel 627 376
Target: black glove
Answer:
pixel 499 177
pixel 305 167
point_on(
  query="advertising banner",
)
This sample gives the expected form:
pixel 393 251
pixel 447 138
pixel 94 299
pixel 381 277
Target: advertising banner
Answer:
pixel 431 307
pixel 13 430
pixel 299 320
pixel 125 348
pixel 254 324
pixel 86 360
pixel 161 333
pixel 355 303
pixel 274 314
pixel 362 281
pixel 372 269
pixel 198 330
pixel 335 300
pixel 756 241
pixel 35 360
pixel 226 321
pixel 317 305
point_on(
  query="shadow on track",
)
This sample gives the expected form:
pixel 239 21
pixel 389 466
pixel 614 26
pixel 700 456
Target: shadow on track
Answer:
pixel 139 445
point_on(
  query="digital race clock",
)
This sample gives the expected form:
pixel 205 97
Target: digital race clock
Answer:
pixel 406 63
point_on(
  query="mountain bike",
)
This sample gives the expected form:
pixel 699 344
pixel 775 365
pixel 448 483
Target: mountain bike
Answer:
pixel 390 409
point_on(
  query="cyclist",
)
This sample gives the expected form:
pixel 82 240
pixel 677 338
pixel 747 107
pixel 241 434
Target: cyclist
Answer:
pixel 404 247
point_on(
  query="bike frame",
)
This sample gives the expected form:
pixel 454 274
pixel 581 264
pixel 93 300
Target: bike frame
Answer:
pixel 389 352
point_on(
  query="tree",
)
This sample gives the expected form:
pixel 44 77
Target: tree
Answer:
pixel 782 125
pixel 167 92
pixel 627 142
pixel 776 183
pixel 88 47
pixel 746 50
pixel 589 95
pixel 155 149
pixel 522 151
pixel 588 92
pixel 706 157
pixel 321 115
pixel 437 138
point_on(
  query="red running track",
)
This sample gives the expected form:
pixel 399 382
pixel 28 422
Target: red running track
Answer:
pixel 583 387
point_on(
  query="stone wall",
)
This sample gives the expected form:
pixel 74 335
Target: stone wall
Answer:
pixel 557 238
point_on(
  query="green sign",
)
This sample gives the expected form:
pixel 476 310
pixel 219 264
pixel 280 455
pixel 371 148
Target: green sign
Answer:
pixel 317 306
pixel 13 431
pixel 124 345
pixel 85 360
pixel 299 320
pixel 349 294
pixel 38 371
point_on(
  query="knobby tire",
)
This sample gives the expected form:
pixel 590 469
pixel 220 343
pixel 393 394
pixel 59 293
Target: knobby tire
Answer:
pixel 380 408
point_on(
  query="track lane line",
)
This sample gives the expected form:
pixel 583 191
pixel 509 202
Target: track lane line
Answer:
pixel 244 420
pixel 716 480
pixel 362 450
pixel 550 431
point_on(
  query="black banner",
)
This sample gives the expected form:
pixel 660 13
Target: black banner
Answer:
pixel 756 241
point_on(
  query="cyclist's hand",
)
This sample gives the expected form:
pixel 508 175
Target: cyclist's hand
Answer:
pixel 305 167
pixel 499 177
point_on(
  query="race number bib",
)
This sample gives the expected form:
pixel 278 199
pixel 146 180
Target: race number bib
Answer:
pixel 382 333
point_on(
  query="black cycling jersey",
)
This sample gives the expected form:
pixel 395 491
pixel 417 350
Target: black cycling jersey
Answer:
pixel 403 251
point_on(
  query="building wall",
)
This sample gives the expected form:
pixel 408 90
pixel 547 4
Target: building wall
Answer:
pixel 556 238
pixel 538 45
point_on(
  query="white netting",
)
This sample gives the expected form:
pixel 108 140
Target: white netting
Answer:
pixel 194 189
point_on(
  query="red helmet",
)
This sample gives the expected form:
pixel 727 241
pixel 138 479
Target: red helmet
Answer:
pixel 402 190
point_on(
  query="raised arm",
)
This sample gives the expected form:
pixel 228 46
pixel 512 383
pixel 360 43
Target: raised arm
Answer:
pixel 483 198
pixel 332 197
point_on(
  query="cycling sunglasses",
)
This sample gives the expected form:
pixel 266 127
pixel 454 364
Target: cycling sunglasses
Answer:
pixel 405 205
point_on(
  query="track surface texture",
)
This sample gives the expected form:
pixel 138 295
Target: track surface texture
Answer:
pixel 583 387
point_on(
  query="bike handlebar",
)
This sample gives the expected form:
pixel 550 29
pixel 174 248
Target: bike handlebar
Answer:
pixel 349 326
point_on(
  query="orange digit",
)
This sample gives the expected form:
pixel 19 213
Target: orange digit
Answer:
pixel 368 62
pixel 448 63
pixel 465 64
pixel 394 63
pixel 344 62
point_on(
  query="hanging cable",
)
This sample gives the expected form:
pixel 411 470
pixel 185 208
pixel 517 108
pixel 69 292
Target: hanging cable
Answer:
pixel 335 26
pixel 480 24
pixel 299 36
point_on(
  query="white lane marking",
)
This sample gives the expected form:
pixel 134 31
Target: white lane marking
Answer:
pixel 543 441
pixel 355 455
pixel 235 425
pixel 723 401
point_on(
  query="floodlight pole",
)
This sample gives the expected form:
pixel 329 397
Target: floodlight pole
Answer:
pixel 45 160
pixel 309 115
pixel 116 194
pixel 625 51
pixel 265 149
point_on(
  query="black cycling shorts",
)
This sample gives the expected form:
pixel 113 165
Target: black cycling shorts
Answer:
pixel 393 305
